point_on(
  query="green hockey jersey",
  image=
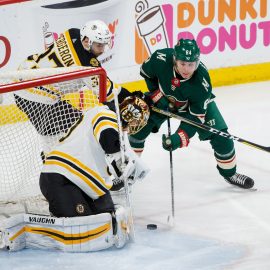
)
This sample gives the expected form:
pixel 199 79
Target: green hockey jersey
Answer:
pixel 191 95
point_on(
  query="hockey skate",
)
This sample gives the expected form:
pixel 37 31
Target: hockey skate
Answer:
pixel 240 180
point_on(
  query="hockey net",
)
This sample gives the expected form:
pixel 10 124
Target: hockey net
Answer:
pixel 37 108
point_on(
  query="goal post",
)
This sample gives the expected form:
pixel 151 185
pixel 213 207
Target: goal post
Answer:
pixel 37 108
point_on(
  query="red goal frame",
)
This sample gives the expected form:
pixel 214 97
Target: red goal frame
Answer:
pixel 72 75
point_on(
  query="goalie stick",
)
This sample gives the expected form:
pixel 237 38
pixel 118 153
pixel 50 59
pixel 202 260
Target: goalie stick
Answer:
pixel 122 151
pixel 212 130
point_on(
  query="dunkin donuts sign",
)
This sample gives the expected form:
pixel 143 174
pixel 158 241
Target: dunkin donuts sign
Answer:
pixel 5 50
pixel 217 26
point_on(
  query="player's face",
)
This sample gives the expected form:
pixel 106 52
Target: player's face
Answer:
pixel 86 44
pixel 97 48
pixel 185 69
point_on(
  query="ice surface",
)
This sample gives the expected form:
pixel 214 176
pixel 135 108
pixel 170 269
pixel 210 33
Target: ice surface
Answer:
pixel 216 226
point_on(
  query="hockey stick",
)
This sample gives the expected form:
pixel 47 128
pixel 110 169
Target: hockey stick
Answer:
pixel 212 130
pixel 171 217
pixel 122 151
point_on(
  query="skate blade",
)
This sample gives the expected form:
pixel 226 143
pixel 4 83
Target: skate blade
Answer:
pixel 244 189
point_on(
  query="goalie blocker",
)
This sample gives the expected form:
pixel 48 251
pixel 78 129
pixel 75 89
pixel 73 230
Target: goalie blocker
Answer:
pixel 76 234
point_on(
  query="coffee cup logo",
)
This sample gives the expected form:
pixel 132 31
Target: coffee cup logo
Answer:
pixel 48 36
pixel 48 39
pixel 151 27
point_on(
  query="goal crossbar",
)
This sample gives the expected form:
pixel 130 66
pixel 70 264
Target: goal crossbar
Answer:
pixel 72 75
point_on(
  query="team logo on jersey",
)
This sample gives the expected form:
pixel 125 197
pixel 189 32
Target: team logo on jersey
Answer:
pixel 175 82
pixel 94 62
pixel 179 104
pixel 171 99
pixel 79 208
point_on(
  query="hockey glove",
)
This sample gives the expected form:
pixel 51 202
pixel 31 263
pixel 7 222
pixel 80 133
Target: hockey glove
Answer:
pixel 120 170
pixel 146 97
pixel 158 99
pixel 131 170
pixel 178 140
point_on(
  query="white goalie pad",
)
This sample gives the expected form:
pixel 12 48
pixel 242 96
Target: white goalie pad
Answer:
pixel 119 196
pixel 76 234
pixel 123 226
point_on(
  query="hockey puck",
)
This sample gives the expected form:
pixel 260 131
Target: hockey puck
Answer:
pixel 151 226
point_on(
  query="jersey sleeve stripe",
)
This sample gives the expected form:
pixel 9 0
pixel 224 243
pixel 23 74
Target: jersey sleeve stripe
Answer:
pixel 71 47
pixel 103 118
pixel 74 166
pixel 108 114
pixel 48 51
pixel 80 164
pixel 110 97
pixel 52 161
pixel 109 86
pixel 201 116
pixel 41 92
pixel 104 125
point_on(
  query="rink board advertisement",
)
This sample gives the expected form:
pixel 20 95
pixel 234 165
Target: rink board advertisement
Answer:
pixel 229 33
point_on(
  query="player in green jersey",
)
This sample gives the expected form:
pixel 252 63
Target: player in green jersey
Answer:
pixel 178 81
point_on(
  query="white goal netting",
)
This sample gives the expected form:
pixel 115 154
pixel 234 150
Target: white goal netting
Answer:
pixel 35 117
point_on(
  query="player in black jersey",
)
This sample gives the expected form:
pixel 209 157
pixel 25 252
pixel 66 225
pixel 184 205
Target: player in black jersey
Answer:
pixel 48 112
pixel 74 47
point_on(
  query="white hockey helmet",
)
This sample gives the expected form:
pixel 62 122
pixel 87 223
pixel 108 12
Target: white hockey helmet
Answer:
pixel 96 31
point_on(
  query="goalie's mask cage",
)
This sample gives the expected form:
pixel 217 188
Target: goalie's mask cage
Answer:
pixel 134 114
pixel 38 108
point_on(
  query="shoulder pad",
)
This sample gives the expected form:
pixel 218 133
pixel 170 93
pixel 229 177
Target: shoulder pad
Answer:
pixel 165 55
pixel 202 77
pixel 74 33
pixel 202 71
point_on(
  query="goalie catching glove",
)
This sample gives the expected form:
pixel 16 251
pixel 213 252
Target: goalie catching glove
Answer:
pixel 130 170
pixel 118 169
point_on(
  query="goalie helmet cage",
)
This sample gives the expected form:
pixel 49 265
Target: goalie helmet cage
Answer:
pixel 38 107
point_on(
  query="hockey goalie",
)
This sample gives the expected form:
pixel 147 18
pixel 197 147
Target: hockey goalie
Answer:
pixel 76 179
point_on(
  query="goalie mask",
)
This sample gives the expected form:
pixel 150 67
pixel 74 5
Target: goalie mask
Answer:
pixel 134 114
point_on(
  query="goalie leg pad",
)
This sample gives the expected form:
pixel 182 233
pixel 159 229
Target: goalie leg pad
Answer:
pixel 122 215
pixel 119 196
pixel 12 236
pixel 76 234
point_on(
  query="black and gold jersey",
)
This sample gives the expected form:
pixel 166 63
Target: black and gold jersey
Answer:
pixel 66 51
